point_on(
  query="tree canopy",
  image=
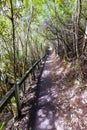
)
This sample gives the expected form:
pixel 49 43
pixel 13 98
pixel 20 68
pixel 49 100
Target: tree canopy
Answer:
pixel 28 27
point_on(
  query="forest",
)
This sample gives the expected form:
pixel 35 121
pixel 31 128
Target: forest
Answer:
pixel 32 33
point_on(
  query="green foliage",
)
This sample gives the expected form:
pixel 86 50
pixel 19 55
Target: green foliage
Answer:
pixel 37 23
pixel 32 14
pixel 82 86
pixel 76 65
pixel 13 106
pixel 4 26
pixel 28 19
pixel 3 125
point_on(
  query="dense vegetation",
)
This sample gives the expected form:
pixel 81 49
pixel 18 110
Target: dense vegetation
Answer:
pixel 20 43
pixel 29 27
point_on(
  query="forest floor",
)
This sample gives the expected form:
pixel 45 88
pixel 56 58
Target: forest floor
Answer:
pixel 61 102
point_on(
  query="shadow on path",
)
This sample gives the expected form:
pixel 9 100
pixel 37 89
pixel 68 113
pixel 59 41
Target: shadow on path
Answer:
pixel 46 109
pixel 61 104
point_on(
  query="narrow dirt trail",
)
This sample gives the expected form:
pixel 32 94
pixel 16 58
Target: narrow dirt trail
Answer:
pixel 46 109
pixel 62 105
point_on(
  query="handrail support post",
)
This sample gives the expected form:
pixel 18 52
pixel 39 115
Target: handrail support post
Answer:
pixel 17 97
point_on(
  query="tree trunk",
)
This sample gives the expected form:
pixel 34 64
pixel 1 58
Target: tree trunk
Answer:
pixel 85 38
pixel 13 38
pixel 77 22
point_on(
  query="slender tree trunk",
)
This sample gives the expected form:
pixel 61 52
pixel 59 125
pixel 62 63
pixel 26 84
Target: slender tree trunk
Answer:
pixel 73 35
pixel 85 38
pixel 13 38
pixel 76 29
pixel 16 85
pixel 77 22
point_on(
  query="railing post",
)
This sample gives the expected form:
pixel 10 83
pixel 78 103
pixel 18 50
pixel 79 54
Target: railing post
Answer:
pixel 33 73
pixel 30 78
pixel 24 87
pixel 17 97
pixel 38 66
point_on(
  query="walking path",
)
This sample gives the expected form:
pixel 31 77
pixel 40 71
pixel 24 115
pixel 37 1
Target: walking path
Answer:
pixel 58 102
pixel 46 108
pixel 62 105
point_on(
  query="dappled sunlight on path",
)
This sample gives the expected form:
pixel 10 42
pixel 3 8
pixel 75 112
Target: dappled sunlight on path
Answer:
pixel 46 110
pixel 62 105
